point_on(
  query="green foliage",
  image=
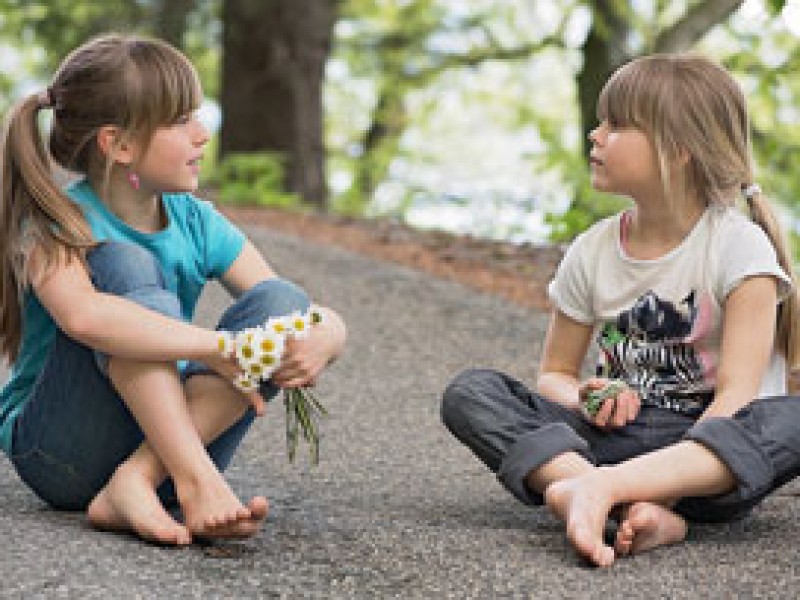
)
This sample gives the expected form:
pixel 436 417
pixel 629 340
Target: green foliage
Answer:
pixel 56 27
pixel 253 178
pixel 391 53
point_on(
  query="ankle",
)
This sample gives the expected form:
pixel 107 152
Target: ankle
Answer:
pixel 129 470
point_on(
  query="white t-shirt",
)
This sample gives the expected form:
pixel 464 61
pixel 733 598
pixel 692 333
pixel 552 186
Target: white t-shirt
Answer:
pixel 658 322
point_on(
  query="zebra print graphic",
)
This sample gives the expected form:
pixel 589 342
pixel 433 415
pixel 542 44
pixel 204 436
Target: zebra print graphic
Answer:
pixel 644 348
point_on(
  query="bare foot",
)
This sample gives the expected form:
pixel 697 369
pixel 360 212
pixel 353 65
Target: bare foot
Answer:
pixel 584 510
pixel 646 526
pixel 128 502
pixel 212 510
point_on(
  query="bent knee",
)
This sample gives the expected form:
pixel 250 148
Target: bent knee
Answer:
pixel 271 298
pixel 280 296
pixel 119 267
pixel 461 395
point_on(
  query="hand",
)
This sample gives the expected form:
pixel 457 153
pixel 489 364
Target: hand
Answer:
pixel 617 410
pixel 303 360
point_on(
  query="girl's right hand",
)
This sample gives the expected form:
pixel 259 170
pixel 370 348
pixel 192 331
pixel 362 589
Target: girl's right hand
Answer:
pixel 617 410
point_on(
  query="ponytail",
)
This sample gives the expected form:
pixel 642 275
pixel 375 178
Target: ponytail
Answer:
pixel 787 337
pixel 34 211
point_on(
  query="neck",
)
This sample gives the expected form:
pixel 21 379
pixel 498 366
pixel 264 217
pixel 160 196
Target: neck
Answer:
pixel 140 209
pixel 659 226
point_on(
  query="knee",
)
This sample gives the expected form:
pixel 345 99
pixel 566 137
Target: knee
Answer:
pixel 119 267
pixel 459 396
pixel 130 271
pixel 271 298
pixel 280 296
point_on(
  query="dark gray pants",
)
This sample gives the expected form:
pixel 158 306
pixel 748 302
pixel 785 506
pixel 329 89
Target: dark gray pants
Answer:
pixel 514 431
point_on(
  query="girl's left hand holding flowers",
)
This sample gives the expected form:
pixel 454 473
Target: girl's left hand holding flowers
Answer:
pixel 290 351
pixel 305 358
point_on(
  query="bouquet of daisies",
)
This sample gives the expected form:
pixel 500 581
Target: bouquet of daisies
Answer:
pixel 258 350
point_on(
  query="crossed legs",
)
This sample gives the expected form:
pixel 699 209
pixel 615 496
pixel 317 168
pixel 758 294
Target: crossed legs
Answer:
pixel 178 425
pixel 582 496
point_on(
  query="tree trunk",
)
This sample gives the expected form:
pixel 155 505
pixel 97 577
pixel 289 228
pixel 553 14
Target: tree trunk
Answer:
pixel 274 54
pixel 603 52
pixel 170 20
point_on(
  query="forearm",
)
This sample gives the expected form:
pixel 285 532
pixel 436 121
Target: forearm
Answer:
pixel 560 387
pixel 726 404
pixel 123 328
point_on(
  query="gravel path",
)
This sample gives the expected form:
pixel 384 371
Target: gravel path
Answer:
pixel 396 508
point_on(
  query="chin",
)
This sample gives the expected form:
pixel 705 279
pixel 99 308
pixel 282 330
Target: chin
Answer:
pixel 180 189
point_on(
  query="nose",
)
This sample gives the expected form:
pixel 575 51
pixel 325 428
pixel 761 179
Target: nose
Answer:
pixel 595 134
pixel 201 134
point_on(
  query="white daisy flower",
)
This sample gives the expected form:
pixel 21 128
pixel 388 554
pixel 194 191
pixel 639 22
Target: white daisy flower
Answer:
pixel 301 324
pixel 279 325
pixel 245 348
pixel 225 343
pixel 245 383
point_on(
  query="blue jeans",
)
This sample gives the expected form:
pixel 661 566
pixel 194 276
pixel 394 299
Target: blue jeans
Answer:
pixel 75 429
pixel 514 431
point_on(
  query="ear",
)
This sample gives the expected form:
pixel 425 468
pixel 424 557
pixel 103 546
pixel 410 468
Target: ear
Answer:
pixel 115 145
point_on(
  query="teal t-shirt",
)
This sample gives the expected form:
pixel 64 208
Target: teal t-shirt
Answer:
pixel 197 244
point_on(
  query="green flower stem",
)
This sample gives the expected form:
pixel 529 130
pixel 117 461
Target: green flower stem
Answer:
pixel 302 410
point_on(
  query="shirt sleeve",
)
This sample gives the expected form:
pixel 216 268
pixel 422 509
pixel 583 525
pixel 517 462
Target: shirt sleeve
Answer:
pixel 570 289
pixel 223 240
pixel 746 251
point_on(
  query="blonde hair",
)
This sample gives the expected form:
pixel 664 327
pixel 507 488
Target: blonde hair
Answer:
pixel 133 83
pixel 689 106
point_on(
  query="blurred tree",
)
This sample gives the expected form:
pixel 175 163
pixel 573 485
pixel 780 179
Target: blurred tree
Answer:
pixel 55 27
pixel 274 55
pixel 270 79
pixel 397 45
pixel 394 43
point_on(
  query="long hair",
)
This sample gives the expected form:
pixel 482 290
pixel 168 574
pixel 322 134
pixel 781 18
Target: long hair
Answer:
pixel 133 83
pixel 687 105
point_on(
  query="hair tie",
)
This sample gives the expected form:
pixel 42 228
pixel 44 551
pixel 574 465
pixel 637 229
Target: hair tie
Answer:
pixel 751 191
pixel 46 98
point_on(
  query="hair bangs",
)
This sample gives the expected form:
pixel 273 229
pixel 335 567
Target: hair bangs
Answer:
pixel 632 96
pixel 164 87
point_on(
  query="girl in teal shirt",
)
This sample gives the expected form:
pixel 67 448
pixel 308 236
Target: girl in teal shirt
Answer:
pixel 116 403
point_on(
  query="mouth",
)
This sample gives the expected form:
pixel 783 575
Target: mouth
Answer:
pixel 593 160
pixel 195 162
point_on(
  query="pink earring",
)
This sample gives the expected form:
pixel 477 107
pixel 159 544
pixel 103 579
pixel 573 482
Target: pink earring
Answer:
pixel 133 179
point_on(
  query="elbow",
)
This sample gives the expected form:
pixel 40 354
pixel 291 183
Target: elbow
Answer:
pixel 79 325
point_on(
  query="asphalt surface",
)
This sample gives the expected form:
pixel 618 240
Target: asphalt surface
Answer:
pixel 396 509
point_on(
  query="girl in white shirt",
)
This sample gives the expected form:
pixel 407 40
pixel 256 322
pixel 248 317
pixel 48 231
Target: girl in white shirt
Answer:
pixel 692 310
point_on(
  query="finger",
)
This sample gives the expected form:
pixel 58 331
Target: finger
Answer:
pixel 594 383
pixel 298 381
pixel 620 416
pixel 635 405
pixel 605 412
pixel 258 403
